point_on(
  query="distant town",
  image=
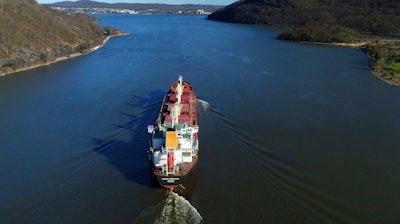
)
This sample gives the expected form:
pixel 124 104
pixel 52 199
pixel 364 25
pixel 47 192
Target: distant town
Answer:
pixel 129 11
pixel 93 7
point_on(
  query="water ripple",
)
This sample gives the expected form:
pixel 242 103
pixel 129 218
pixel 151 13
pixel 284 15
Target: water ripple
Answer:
pixel 291 188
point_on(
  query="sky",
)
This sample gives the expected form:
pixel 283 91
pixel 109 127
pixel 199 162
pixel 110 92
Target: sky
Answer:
pixel 172 2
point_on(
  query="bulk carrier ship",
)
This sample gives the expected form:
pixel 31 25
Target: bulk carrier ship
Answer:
pixel 174 143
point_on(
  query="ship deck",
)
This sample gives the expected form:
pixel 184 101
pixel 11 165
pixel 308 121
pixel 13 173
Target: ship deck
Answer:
pixel 188 106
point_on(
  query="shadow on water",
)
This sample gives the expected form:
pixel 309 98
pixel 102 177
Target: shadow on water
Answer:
pixel 129 154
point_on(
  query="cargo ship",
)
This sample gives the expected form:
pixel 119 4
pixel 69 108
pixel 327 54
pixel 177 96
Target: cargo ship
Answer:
pixel 174 144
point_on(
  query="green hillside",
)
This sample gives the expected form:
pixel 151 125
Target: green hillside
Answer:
pixel 367 16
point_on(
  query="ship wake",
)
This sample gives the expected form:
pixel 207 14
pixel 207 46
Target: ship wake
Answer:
pixel 203 104
pixel 172 209
pixel 178 210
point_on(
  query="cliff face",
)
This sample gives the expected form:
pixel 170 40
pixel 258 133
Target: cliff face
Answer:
pixel 370 16
pixel 32 34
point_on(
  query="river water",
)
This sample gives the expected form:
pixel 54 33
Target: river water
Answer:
pixel 289 133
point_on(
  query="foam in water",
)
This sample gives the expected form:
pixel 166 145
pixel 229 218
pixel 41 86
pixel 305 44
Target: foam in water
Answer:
pixel 178 210
pixel 203 104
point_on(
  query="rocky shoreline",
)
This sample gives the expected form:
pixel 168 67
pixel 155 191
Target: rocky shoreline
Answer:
pixel 61 58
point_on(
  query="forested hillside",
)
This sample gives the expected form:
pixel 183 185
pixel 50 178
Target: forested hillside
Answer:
pixel 31 34
pixel 367 16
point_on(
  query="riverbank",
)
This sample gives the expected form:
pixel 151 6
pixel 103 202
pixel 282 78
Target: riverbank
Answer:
pixel 384 53
pixel 62 58
pixel 384 57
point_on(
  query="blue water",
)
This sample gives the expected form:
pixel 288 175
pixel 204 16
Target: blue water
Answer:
pixel 289 133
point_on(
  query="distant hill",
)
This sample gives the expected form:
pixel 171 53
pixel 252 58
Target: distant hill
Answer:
pixel 366 16
pixel 33 34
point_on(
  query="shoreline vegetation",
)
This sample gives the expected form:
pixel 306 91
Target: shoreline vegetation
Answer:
pixel 383 52
pixel 371 25
pixel 384 57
